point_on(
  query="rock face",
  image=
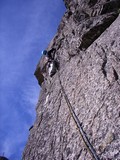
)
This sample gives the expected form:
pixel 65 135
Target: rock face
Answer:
pixel 3 158
pixel 87 48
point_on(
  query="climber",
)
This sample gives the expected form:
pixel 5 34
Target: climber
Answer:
pixel 52 64
pixel 49 54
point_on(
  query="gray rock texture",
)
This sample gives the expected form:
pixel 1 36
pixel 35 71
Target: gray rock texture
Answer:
pixel 87 48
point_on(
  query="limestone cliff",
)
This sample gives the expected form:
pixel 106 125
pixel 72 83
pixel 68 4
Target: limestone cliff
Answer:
pixel 87 48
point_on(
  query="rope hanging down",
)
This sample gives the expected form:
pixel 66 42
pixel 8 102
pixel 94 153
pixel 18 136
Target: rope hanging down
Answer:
pixel 79 125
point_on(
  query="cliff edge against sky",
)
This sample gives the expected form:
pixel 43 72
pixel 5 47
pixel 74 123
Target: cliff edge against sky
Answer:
pixel 87 48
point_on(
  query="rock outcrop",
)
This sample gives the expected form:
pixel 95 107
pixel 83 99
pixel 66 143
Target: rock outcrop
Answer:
pixel 3 158
pixel 87 48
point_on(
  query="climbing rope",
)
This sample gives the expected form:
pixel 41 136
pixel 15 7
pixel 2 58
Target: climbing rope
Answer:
pixel 79 125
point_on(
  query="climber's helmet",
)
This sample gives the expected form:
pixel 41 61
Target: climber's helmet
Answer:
pixel 44 52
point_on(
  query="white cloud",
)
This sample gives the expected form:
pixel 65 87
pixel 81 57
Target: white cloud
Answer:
pixel 14 141
pixel 30 94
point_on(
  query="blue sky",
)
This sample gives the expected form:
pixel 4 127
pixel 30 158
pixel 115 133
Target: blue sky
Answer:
pixel 26 28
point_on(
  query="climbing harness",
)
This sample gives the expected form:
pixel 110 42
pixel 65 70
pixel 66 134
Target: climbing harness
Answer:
pixel 79 125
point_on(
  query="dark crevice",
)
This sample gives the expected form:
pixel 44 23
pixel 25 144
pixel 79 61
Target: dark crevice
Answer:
pixel 73 32
pixel 110 6
pixel 62 157
pixel 60 43
pixel 90 36
pixel 115 74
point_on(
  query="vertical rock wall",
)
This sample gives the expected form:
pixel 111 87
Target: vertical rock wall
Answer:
pixel 87 47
